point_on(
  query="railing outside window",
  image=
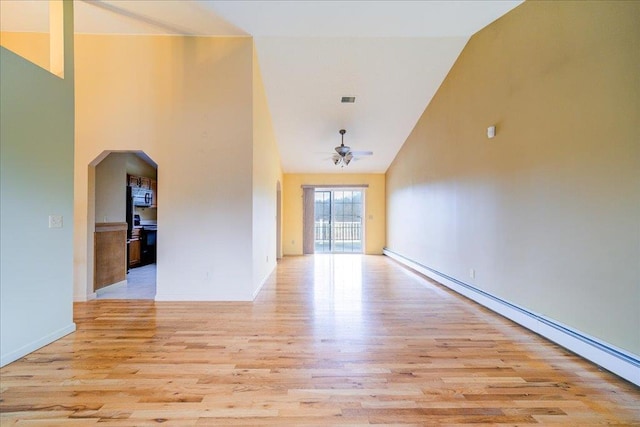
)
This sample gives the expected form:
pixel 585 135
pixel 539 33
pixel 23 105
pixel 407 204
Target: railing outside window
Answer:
pixel 338 221
pixel 341 230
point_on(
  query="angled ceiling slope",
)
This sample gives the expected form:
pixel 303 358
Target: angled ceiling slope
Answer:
pixel 391 55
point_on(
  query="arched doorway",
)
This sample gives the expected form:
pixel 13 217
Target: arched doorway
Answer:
pixel 122 218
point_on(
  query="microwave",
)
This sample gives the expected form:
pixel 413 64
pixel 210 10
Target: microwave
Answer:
pixel 142 197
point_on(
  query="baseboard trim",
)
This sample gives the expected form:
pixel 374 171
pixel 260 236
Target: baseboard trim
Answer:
pixel 611 358
pixel 79 298
pixel 35 345
pixel 262 283
pixel 258 289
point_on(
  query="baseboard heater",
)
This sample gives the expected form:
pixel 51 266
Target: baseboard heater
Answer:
pixel 615 360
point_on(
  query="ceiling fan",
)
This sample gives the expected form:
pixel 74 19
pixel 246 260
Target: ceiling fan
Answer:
pixel 344 155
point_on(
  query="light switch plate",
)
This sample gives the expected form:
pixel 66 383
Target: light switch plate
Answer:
pixel 55 221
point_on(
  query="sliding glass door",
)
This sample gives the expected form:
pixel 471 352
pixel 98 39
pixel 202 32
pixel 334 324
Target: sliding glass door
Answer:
pixel 338 221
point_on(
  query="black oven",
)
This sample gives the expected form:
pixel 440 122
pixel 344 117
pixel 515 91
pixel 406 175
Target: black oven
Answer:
pixel 148 238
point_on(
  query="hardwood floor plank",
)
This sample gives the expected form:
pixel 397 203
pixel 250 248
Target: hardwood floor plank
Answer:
pixel 330 340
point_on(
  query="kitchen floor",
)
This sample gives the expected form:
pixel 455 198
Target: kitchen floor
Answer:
pixel 141 284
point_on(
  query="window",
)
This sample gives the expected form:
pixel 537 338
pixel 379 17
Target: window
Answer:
pixel 338 221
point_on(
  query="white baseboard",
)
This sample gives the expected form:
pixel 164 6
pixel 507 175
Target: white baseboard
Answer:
pixel 79 297
pixel 262 283
pixel 12 356
pixel 611 358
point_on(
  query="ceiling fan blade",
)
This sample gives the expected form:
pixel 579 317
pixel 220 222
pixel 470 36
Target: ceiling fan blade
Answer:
pixel 343 154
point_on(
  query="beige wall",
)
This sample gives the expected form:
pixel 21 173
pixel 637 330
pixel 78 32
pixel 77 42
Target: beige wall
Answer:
pixel 139 167
pixel 547 212
pixel 111 182
pixel 266 176
pixel 46 47
pixel 33 47
pixel 374 207
pixel 187 103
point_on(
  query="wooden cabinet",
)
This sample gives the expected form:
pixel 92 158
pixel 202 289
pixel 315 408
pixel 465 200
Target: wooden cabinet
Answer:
pixel 140 182
pixel 110 254
pixel 154 193
pixel 134 252
pixel 145 183
pixel 135 248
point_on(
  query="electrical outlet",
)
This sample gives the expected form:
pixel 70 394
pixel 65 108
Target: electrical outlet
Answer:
pixel 472 273
pixel 55 221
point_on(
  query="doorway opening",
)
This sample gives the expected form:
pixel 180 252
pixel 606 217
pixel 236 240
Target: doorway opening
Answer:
pixel 123 216
pixel 338 226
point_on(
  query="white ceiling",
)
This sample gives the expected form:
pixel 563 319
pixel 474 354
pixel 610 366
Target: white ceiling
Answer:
pixel 391 55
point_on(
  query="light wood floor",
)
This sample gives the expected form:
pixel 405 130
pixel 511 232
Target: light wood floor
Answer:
pixel 330 340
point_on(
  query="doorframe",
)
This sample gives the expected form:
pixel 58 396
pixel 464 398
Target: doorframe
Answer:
pixel 308 237
pixel 91 221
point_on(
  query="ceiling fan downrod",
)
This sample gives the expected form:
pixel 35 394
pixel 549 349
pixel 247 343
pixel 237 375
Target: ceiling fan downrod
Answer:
pixel 343 150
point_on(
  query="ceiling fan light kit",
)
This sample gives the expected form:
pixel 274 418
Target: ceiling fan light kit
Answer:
pixel 344 154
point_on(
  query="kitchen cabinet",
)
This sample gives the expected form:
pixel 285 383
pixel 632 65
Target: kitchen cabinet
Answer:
pixel 110 255
pixel 154 193
pixel 145 183
pixel 140 182
pixel 135 248
pixel 134 253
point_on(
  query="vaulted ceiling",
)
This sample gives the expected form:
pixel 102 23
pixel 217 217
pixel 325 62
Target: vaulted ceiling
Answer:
pixel 390 55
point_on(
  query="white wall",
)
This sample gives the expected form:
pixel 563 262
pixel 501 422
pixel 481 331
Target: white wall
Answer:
pixel 187 103
pixel 266 175
pixel 36 179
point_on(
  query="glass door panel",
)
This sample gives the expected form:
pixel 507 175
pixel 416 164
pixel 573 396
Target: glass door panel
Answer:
pixel 322 221
pixel 338 221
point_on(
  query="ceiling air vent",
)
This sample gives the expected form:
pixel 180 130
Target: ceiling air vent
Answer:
pixel 348 99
